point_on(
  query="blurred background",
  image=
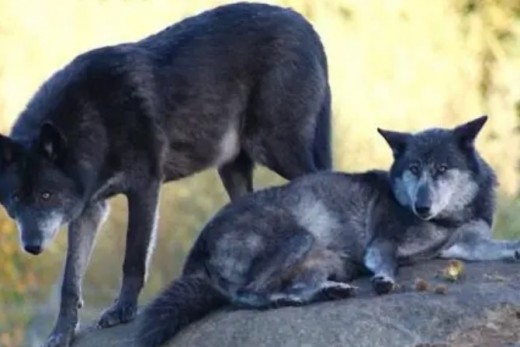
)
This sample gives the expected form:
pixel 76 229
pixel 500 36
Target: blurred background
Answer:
pixel 400 64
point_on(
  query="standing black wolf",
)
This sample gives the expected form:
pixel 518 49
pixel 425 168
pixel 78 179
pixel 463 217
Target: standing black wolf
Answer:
pixel 235 85
pixel 302 242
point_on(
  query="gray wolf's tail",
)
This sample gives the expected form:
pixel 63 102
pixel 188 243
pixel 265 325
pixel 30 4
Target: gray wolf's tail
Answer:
pixel 322 136
pixel 186 300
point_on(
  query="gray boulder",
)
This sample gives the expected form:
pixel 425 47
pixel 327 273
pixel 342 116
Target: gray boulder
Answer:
pixel 480 309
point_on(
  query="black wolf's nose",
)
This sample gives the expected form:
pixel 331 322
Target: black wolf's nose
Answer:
pixel 33 249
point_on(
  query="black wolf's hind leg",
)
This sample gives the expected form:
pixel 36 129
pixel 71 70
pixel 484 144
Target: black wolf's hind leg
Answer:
pixel 142 224
pixel 322 137
pixel 287 111
pixel 237 176
pixel 290 158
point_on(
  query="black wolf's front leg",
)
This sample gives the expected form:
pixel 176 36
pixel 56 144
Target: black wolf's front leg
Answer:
pixel 142 224
pixel 475 244
pixel 82 233
pixel 380 258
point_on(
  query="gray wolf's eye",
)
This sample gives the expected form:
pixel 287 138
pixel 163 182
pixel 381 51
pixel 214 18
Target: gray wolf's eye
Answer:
pixel 46 196
pixel 15 197
pixel 441 169
pixel 414 168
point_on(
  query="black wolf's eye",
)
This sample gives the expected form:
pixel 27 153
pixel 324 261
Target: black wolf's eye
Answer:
pixel 414 168
pixel 46 196
pixel 442 169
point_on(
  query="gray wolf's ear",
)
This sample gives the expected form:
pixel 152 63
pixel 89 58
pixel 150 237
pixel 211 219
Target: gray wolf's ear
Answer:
pixel 396 140
pixel 51 142
pixel 8 151
pixel 467 132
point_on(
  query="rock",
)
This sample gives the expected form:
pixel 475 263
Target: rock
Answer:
pixel 480 309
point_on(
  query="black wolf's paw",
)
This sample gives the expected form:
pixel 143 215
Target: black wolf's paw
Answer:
pixel 337 290
pixel 284 300
pixel 58 340
pixel 118 313
pixel 382 284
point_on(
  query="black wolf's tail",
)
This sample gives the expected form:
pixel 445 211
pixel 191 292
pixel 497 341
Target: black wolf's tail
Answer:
pixel 186 300
pixel 322 136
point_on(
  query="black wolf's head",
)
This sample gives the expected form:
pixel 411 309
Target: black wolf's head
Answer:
pixel 34 188
pixel 436 172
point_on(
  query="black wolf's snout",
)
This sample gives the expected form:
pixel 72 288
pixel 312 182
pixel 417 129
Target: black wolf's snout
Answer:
pixel 423 202
pixel 33 249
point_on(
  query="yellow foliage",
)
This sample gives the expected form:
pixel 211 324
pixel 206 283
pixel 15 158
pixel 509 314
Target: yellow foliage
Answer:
pixel 399 64
pixel 19 279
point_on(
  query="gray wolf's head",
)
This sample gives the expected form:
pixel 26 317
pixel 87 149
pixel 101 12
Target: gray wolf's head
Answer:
pixel 436 172
pixel 35 189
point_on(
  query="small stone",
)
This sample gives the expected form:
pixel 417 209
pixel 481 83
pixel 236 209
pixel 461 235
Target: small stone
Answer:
pixel 421 285
pixel 441 289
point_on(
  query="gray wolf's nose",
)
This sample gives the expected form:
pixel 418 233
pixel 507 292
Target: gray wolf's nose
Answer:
pixel 422 210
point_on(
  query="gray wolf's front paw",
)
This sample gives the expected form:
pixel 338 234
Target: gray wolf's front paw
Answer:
pixel 383 284
pixel 118 313
pixel 59 340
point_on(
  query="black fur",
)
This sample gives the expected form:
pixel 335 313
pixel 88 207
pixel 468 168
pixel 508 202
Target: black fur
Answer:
pixel 237 85
pixel 322 140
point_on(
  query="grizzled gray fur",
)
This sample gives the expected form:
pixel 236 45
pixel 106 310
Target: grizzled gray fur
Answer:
pixel 304 241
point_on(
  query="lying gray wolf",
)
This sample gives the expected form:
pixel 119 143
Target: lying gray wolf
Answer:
pixel 232 86
pixel 304 241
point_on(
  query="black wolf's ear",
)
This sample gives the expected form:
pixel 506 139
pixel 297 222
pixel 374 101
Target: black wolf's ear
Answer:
pixel 396 140
pixel 467 132
pixel 51 142
pixel 8 151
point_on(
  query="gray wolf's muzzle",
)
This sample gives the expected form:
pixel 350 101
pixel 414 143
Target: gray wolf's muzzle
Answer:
pixel 423 202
